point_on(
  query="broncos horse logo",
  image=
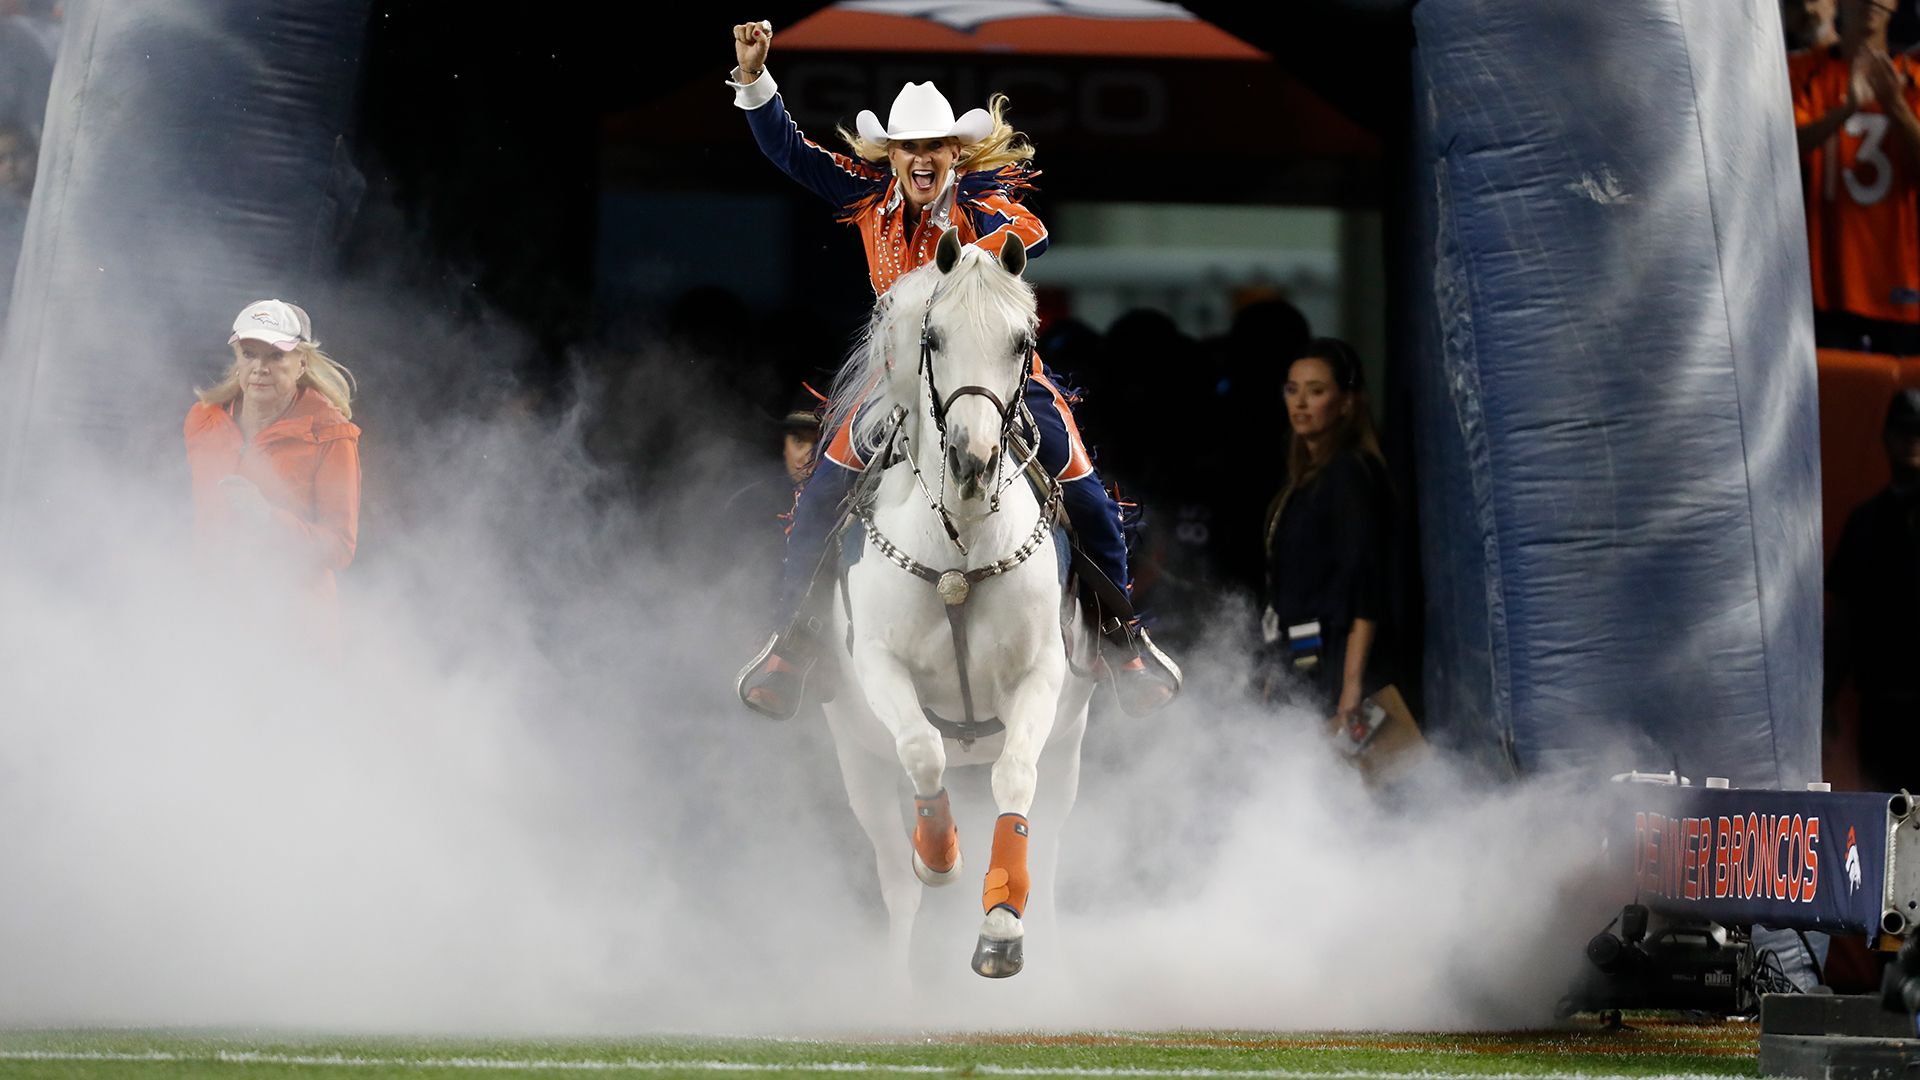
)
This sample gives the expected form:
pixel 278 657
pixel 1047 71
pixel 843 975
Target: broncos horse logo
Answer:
pixel 1853 863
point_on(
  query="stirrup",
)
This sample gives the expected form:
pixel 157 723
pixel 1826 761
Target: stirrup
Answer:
pixel 772 685
pixel 1147 680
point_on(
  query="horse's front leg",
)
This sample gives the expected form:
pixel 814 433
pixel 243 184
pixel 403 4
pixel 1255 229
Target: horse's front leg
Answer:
pixel 1058 789
pixel 923 754
pixel 1029 718
pixel 873 792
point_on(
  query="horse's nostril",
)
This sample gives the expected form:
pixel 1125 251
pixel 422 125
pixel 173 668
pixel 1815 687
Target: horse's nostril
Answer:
pixel 968 468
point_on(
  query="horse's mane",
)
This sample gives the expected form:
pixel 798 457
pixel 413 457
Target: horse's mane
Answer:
pixel 977 285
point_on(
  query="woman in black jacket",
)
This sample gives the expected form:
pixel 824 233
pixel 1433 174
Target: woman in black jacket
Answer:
pixel 1327 534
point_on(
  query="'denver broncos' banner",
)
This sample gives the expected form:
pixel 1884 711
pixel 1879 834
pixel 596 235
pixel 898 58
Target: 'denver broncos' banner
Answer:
pixel 1789 859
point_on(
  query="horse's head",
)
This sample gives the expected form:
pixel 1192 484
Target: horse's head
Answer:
pixel 976 348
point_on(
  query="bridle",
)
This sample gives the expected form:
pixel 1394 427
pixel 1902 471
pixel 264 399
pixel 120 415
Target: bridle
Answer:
pixel 939 406
pixel 955 586
pixel 1012 409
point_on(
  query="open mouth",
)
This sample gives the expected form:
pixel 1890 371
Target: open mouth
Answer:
pixel 922 180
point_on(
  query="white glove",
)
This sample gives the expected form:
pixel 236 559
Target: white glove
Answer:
pixel 245 500
pixel 1269 626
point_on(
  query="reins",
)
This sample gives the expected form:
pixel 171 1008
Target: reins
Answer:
pixel 955 586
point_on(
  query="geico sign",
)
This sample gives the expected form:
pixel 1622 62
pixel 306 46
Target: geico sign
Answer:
pixel 1108 102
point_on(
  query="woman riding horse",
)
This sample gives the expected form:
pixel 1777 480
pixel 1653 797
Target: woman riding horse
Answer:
pixel 906 183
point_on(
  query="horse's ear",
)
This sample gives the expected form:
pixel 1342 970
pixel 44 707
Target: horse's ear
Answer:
pixel 948 254
pixel 1013 255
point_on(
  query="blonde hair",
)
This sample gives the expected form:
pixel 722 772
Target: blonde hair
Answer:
pixel 324 374
pixel 1002 146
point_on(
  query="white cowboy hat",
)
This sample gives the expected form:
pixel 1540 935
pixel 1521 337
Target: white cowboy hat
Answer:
pixel 922 112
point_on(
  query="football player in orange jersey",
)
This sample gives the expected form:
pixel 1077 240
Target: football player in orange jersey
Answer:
pixel 1859 135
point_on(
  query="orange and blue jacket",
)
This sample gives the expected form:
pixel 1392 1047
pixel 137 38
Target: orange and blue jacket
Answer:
pixel 984 205
pixel 306 464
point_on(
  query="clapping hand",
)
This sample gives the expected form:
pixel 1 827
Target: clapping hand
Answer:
pixel 1882 77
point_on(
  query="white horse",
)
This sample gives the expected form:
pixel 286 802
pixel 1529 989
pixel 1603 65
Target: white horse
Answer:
pixel 950 613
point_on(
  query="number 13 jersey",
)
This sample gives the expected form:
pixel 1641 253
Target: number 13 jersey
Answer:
pixel 1863 228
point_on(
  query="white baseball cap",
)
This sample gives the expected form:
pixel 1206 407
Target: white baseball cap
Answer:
pixel 276 322
pixel 921 112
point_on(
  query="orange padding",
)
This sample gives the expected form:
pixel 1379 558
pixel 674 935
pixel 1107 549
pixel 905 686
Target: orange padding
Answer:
pixel 1854 391
pixel 934 837
pixel 1007 880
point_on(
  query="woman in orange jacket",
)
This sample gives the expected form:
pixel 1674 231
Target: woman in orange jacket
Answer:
pixel 275 459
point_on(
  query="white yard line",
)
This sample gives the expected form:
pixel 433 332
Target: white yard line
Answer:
pixel 714 1065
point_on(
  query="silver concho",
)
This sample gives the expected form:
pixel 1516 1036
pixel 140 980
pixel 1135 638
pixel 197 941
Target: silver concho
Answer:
pixel 953 588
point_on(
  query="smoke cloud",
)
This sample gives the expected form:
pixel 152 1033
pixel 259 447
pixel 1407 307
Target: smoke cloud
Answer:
pixel 513 791
pixel 509 789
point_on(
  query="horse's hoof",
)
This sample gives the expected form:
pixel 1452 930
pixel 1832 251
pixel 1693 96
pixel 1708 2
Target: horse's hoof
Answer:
pixel 936 878
pixel 998 959
pixel 1002 948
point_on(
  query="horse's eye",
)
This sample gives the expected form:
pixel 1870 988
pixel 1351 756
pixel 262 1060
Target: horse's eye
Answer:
pixel 933 340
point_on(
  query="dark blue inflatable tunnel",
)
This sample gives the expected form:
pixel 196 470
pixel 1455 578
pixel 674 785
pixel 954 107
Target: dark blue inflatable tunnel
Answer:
pixel 1615 397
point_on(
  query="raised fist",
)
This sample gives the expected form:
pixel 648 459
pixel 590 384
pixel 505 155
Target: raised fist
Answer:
pixel 750 44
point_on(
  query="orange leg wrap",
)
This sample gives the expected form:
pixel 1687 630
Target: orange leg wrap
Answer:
pixel 1007 880
pixel 934 836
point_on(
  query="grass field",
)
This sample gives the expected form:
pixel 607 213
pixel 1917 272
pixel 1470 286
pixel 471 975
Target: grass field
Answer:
pixel 1645 1048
